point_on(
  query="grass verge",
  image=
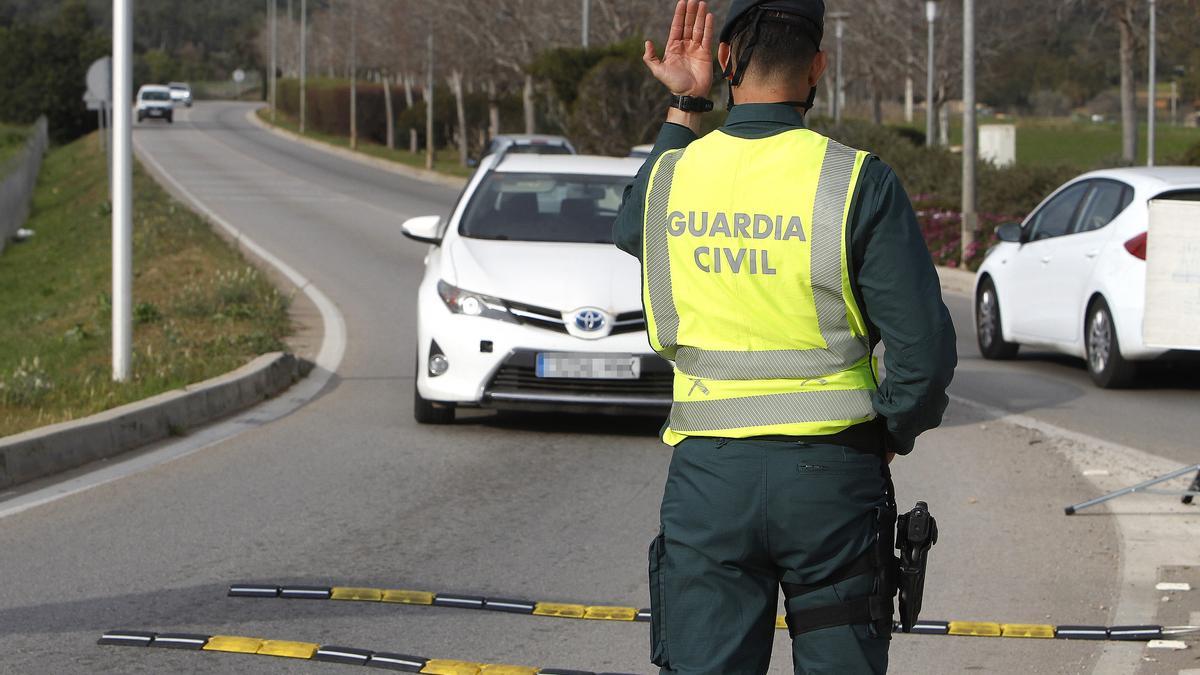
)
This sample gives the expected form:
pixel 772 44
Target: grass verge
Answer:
pixel 200 309
pixel 445 160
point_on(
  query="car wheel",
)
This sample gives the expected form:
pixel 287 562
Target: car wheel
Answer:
pixel 1109 370
pixel 428 412
pixel 988 331
pixel 170 119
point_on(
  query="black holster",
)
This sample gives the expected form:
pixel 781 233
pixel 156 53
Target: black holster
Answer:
pixel 912 534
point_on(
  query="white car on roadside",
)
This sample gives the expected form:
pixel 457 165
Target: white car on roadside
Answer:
pixel 1072 277
pixel 154 102
pixel 526 304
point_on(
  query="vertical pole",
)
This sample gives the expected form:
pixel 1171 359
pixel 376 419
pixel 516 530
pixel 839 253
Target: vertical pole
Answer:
pixel 429 101
pixel 970 153
pixel 303 64
pixel 1174 103
pixel 838 103
pixel 930 113
pixel 273 16
pixel 122 207
pixel 353 74
pixel 1152 92
pixel 587 21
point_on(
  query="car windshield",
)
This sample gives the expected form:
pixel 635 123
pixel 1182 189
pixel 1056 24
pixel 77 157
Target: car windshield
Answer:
pixel 544 207
pixel 156 95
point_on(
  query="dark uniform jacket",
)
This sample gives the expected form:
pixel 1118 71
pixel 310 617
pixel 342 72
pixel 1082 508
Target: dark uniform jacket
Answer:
pixel 891 272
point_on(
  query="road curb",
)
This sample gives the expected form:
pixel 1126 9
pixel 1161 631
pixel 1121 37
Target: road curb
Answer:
pixel 956 280
pixel 57 448
pixel 350 155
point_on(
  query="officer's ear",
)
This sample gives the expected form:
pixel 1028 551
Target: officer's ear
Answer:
pixel 819 63
pixel 724 55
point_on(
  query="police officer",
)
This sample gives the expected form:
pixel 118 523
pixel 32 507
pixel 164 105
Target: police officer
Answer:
pixel 774 260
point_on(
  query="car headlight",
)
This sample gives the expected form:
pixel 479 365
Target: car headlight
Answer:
pixel 473 304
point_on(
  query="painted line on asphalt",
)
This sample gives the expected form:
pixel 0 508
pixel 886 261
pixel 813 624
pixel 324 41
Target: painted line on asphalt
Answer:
pixel 1157 532
pixel 329 358
pixel 311 651
pixel 560 610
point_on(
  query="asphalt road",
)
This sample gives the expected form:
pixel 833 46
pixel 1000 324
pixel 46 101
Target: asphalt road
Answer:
pixel 350 491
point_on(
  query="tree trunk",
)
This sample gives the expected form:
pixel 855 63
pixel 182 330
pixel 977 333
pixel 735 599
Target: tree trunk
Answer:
pixel 1129 137
pixel 530 114
pixel 876 104
pixel 493 110
pixel 456 83
pixel 390 112
pixel 408 91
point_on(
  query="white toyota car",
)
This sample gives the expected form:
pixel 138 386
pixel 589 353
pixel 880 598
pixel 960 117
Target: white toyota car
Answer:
pixel 1072 277
pixel 526 304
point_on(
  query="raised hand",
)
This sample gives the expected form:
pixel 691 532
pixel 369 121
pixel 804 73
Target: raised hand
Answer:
pixel 686 67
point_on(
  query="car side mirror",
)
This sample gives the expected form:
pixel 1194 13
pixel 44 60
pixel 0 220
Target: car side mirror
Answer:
pixel 1010 232
pixel 424 229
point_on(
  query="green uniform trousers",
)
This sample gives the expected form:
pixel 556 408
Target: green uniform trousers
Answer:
pixel 737 518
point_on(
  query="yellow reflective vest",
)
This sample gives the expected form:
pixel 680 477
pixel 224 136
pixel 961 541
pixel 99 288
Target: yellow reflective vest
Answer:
pixel 746 286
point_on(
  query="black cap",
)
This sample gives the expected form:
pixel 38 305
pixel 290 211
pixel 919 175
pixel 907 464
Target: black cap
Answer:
pixel 807 11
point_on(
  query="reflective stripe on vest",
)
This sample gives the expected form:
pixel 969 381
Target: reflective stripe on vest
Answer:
pixel 821 389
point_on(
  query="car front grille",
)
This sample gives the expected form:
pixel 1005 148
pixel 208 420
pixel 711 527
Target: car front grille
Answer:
pixel 549 319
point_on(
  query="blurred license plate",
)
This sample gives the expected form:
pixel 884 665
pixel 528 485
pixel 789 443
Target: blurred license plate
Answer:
pixel 589 366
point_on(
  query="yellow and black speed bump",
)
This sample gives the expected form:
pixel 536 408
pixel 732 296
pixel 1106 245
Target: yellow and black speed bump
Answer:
pixel 233 644
pixel 617 613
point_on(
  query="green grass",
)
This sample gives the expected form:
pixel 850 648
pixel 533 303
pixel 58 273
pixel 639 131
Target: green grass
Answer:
pixel 1047 141
pixel 200 309
pixel 11 140
pixel 445 159
pixel 1090 145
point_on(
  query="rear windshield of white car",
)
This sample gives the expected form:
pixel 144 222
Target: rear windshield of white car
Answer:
pixel 544 207
pixel 156 96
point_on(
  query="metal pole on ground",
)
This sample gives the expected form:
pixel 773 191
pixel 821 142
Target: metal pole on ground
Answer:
pixel 353 75
pixel 587 21
pixel 970 148
pixel 931 12
pixel 429 102
pixel 1152 92
pixel 303 64
pixel 273 16
pixel 122 206
pixel 838 91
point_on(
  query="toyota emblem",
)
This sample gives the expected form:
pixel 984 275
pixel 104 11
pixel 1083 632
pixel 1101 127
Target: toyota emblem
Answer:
pixel 590 320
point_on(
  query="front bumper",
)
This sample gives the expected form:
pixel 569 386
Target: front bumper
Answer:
pixel 492 365
pixel 516 386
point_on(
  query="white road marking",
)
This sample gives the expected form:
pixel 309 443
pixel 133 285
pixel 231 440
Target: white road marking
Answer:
pixel 1155 530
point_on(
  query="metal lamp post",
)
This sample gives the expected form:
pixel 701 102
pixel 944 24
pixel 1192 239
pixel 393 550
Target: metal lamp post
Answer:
pixel 122 191
pixel 931 15
pixel 303 64
pixel 840 32
pixel 1152 93
pixel 970 152
pixel 587 21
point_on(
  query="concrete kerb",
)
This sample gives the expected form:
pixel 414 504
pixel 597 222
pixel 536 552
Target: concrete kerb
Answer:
pixel 957 280
pixel 350 155
pixel 61 447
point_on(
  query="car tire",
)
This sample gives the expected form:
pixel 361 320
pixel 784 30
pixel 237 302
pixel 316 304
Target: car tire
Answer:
pixel 989 332
pixel 1109 370
pixel 170 119
pixel 428 412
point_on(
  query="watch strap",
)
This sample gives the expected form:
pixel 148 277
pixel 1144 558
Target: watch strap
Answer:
pixel 692 104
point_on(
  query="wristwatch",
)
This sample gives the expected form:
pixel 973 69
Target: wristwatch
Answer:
pixel 692 104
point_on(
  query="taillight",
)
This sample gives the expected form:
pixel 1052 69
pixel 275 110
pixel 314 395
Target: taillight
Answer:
pixel 1137 246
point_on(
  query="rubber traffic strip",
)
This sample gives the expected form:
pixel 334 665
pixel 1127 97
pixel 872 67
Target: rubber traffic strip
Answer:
pixel 311 651
pixel 631 614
